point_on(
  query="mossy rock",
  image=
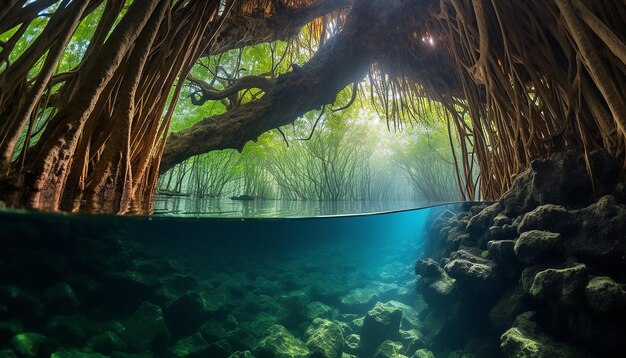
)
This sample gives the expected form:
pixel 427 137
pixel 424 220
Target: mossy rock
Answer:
pixel 390 349
pixel 146 330
pixel 193 346
pixel 279 343
pixel 106 343
pixel 33 345
pixel 324 339
pixel 74 353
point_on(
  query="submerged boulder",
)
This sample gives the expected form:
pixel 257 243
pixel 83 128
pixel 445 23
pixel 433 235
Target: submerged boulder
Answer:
pixel 539 246
pixel 106 343
pixel 187 313
pixel 193 346
pixel 605 295
pixel 527 339
pixel 146 329
pixel 33 345
pixel 324 339
pixel 564 286
pixel 474 273
pixel 279 343
pixel 380 323
pixel 390 349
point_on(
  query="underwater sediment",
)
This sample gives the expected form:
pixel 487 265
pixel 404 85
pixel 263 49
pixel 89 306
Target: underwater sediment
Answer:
pixel 540 273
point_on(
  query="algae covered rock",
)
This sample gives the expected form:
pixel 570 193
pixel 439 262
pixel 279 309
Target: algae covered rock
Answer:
pixel 563 286
pixel 193 346
pixel 605 295
pixel 423 353
pixel 527 339
pixel 106 343
pixel 539 246
pixel 548 217
pixel 279 343
pixel 187 313
pixel 352 343
pixel 146 329
pixel 502 251
pixel 476 274
pixel 242 354
pixel 75 353
pixel 324 339
pixel 10 328
pixel 61 298
pixel 390 349
pixel 33 345
pixel 360 299
pixel 380 323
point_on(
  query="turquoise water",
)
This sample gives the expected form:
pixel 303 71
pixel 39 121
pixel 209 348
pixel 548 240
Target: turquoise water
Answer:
pixel 164 286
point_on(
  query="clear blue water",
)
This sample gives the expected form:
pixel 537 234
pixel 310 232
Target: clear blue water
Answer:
pixel 226 282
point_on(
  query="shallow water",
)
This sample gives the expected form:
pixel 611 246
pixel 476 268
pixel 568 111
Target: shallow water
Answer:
pixel 225 207
pixel 225 283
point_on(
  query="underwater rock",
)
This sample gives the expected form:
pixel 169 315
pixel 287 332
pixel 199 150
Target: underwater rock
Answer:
pixel 75 353
pixel 212 330
pixel 479 223
pixel 601 240
pixel 410 317
pixel 526 339
pixel 502 251
pixel 390 349
pixel 8 329
pixel 423 353
pixel 33 345
pixel 380 323
pixel 317 309
pixel 61 298
pixel 146 329
pixel 605 295
pixel 193 346
pixel 360 299
pixel 476 275
pixel 89 290
pixel 294 307
pixel 428 268
pixel 279 343
pixel 187 313
pixel 7 353
pixel 512 303
pixel 412 339
pixel 244 354
pixel 324 339
pixel 548 217
pixel 20 304
pixel 352 343
pixel 106 343
pixel 221 348
pixel 539 246
pixel 70 329
pixel 564 286
pixel 261 323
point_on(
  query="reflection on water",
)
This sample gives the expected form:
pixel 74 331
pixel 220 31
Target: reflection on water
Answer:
pixel 223 207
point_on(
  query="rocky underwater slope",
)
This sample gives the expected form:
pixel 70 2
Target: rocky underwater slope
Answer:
pixel 540 273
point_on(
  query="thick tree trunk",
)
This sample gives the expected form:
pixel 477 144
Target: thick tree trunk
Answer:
pixel 342 60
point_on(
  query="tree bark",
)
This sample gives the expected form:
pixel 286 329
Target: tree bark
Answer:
pixel 342 60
